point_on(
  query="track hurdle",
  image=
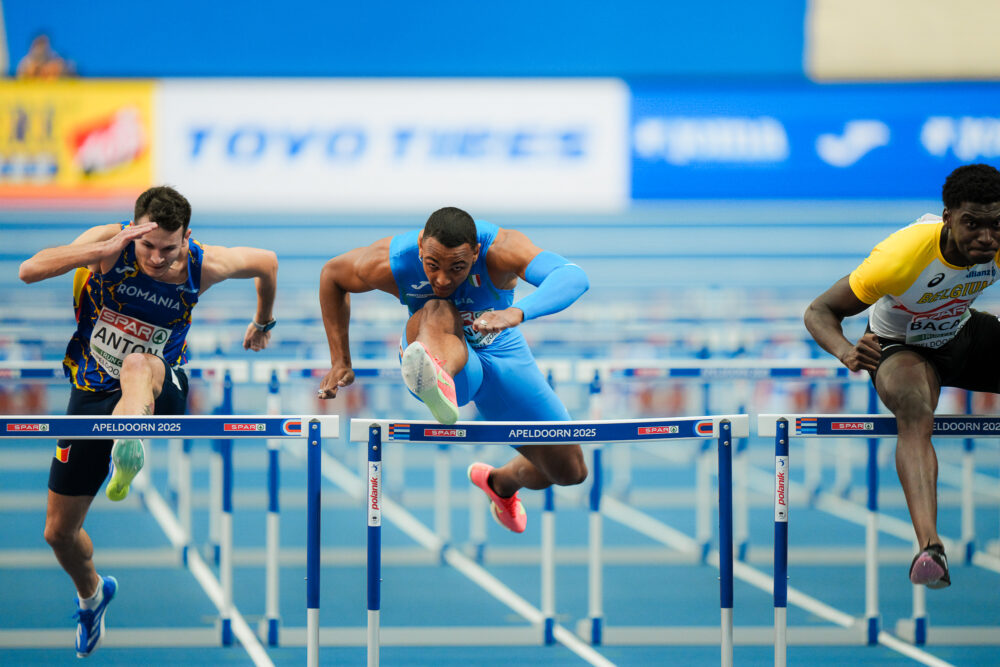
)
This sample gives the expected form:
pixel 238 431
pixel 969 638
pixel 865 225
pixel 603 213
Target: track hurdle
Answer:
pixel 786 426
pixel 379 432
pixel 382 378
pixel 599 373
pixel 219 590
pixel 220 375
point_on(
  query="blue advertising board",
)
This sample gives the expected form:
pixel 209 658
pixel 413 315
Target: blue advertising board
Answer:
pixel 808 141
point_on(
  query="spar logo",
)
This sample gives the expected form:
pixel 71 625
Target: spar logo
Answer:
pixel 657 430
pixel 444 432
pixel 852 426
pixel 292 427
pixel 819 372
pixel 18 428
pixel 244 427
pixel 129 325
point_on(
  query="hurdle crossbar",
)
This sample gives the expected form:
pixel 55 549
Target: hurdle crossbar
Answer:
pixel 213 369
pixel 724 428
pixel 207 427
pixel 712 369
pixel 783 427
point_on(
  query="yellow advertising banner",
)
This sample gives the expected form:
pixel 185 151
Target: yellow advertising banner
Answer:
pixel 75 140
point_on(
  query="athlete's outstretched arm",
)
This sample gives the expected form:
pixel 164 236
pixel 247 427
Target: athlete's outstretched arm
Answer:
pixel 824 317
pixel 221 263
pixel 96 246
pixel 359 270
pixel 559 282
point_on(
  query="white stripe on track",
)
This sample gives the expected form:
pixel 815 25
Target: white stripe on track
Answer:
pixel 202 573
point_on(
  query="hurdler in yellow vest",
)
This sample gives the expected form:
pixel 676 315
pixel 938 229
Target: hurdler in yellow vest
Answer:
pixel 135 286
pixel 918 296
pixel 923 334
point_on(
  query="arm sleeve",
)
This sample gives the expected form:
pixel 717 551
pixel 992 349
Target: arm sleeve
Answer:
pixel 559 284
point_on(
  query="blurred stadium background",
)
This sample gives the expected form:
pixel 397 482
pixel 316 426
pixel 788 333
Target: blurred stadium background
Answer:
pixel 712 167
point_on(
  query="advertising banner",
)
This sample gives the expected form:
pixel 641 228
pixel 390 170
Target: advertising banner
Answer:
pixel 809 141
pixel 396 144
pixel 74 141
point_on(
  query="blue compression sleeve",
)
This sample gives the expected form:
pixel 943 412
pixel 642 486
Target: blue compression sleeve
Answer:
pixel 559 284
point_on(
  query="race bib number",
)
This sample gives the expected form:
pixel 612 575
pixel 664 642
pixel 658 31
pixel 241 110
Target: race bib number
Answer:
pixel 116 335
pixel 475 338
pixel 935 329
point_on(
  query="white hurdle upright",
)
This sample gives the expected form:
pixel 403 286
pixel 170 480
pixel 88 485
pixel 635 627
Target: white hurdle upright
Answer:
pixel 225 427
pixel 786 426
pixel 378 432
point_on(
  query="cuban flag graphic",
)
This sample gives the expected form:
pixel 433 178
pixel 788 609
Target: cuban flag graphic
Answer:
pixel 805 425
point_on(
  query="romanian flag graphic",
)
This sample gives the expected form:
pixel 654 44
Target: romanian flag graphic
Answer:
pixel 62 453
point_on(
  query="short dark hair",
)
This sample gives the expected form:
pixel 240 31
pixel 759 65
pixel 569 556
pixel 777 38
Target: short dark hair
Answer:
pixel 451 227
pixel 165 206
pixel 973 183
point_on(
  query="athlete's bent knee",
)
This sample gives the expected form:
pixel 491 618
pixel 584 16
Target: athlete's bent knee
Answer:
pixel 59 538
pixel 572 472
pixel 435 306
pixel 136 365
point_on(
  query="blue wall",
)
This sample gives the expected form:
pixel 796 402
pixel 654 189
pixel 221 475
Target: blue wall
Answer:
pixel 808 141
pixel 630 38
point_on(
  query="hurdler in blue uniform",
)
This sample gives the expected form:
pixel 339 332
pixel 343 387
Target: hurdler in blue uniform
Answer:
pixel 134 288
pixel 461 344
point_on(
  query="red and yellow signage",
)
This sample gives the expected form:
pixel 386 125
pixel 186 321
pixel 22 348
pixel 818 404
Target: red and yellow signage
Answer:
pixel 75 140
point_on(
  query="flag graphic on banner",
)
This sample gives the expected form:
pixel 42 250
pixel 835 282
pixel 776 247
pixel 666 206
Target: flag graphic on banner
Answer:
pixel 805 425
pixel 399 431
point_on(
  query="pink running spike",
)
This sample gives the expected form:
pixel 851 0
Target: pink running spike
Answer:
pixel 427 379
pixel 509 512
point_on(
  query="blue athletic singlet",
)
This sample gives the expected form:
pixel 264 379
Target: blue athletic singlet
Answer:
pixel 501 375
pixel 124 311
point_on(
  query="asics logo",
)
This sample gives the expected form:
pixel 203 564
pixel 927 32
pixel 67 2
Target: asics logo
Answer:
pixel 935 280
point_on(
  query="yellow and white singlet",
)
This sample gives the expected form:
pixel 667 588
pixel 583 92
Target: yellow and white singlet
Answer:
pixel 918 296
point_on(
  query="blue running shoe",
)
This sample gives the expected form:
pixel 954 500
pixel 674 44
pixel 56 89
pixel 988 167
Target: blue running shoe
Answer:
pixel 90 622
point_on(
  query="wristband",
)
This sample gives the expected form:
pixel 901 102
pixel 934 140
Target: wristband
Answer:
pixel 264 327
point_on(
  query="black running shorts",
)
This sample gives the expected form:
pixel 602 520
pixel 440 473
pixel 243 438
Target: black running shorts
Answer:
pixel 87 462
pixel 970 360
